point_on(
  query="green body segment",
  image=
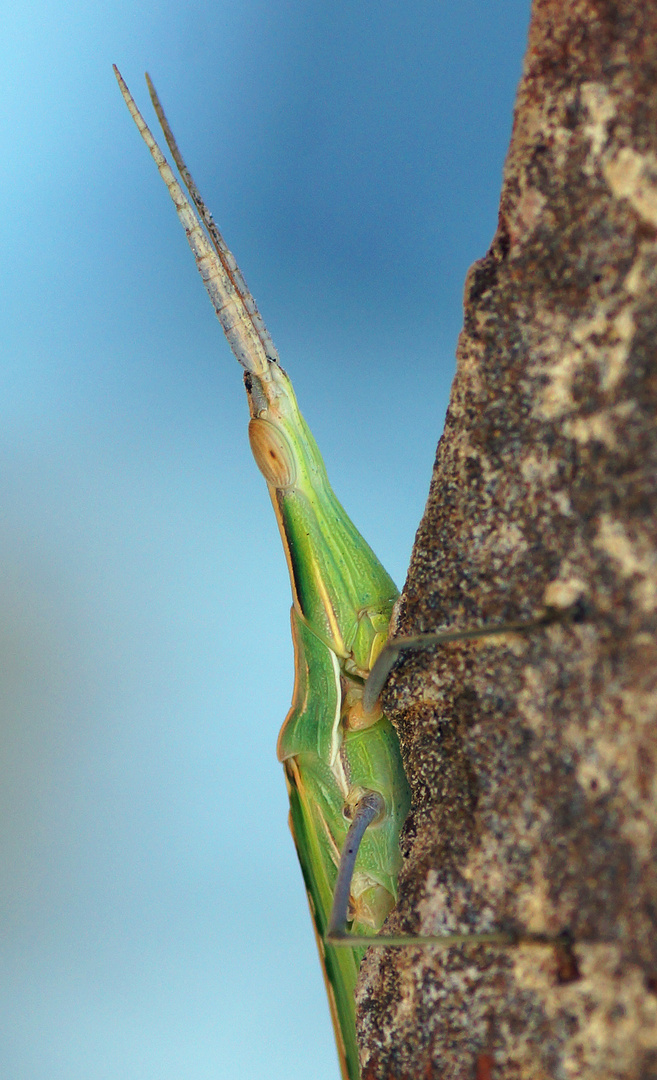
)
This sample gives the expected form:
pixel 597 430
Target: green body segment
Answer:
pixel 333 750
pixel 340 589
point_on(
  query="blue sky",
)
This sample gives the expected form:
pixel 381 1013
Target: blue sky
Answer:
pixel 154 924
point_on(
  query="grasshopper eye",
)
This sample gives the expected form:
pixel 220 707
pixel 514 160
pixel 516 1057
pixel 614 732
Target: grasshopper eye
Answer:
pixel 272 453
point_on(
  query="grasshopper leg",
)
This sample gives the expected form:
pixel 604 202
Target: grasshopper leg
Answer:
pixel 392 650
pixel 368 809
pixel 367 812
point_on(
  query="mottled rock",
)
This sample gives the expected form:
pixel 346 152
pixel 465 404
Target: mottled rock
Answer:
pixel 533 757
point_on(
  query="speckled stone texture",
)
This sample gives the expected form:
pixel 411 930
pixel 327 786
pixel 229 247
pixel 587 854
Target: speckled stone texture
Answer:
pixel 532 758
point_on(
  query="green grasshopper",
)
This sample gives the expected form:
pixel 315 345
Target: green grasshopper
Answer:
pixel 348 791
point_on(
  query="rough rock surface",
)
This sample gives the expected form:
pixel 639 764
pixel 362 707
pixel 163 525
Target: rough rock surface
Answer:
pixel 533 757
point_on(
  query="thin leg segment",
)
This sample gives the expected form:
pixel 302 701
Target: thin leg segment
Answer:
pixel 392 650
pixel 367 810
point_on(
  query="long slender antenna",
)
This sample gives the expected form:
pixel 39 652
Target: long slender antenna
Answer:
pixel 225 286
pixel 219 244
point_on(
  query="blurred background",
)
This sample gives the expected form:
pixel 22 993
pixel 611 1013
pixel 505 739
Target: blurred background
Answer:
pixel 154 924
